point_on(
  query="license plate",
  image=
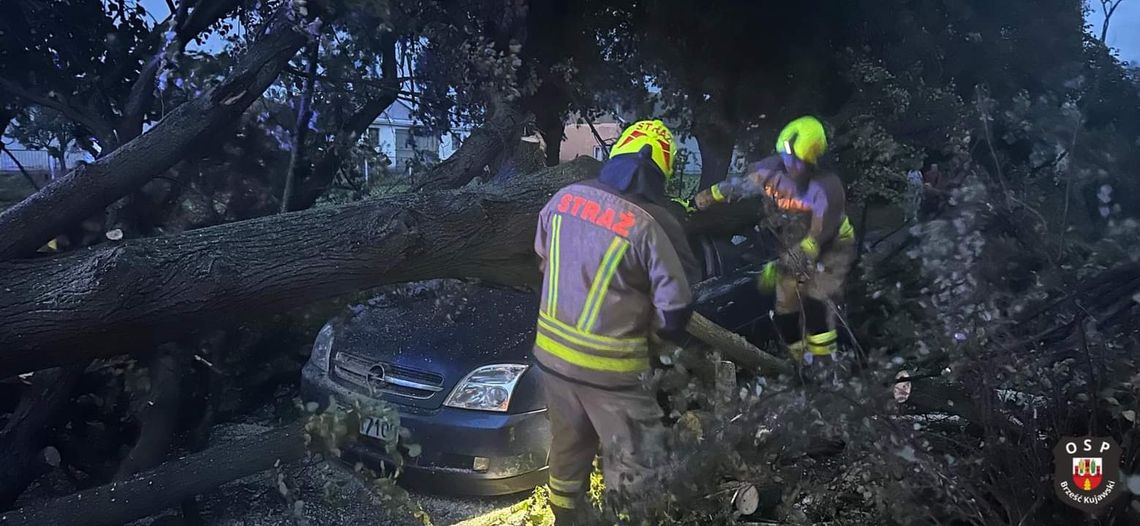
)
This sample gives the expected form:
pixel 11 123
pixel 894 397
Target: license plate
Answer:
pixel 379 429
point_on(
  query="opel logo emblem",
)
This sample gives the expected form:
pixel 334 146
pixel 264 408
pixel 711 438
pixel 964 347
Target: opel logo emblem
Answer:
pixel 377 377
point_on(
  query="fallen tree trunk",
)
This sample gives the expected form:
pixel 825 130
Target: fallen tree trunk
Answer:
pixel 139 293
pixel 89 188
pixel 167 485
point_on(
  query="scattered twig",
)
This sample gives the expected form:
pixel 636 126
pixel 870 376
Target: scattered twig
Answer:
pixel 985 116
pixel 1069 186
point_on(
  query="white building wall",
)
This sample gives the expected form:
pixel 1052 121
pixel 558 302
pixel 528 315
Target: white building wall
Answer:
pixel 388 140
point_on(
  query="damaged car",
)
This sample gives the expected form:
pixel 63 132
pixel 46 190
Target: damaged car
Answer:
pixel 455 358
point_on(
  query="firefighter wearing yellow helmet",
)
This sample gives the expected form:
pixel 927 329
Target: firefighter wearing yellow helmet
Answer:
pixel 653 134
pixel 616 270
pixel 817 236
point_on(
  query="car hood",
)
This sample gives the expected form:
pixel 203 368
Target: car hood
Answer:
pixel 440 330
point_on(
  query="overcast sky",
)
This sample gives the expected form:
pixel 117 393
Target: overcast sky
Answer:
pixel 1124 29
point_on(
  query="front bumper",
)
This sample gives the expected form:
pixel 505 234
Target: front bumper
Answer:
pixel 512 448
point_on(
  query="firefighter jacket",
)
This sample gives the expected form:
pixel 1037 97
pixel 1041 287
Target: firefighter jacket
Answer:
pixel 611 275
pixel 815 209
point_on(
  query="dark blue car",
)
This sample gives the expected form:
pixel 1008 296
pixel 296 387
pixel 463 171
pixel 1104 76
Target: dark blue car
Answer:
pixel 455 359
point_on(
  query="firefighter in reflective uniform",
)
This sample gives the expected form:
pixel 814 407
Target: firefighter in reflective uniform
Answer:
pixel 614 263
pixel 809 277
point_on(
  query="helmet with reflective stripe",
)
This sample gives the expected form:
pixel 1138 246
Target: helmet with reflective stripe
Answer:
pixel 803 138
pixel 653 134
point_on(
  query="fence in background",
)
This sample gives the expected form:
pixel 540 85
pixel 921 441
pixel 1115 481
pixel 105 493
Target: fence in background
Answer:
pixel 37 162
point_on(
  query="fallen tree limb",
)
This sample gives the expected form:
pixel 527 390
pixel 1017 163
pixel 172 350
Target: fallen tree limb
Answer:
pixel 499 134
pixel 139 293
pixel 21 438
pixel 134 295
pixel 725 219
pixel 158 412
pixel 89 188
pixel 167 485
pixel 735 347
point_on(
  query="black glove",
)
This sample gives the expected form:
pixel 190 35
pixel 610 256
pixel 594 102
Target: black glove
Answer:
pixel 676 322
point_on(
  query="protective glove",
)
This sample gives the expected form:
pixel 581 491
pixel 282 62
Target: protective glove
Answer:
pixel 768 277
pixel 801 258
pixel 686 204
pixel 708 197
pixel 795 263
pixel 703 200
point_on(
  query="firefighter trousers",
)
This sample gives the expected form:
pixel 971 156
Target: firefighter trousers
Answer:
pixel 624 424
pixel 805 317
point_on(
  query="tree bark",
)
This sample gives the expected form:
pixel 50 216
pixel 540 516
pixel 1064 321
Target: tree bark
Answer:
pixel 89 188
pixel 301 127
pixel 500 133
pixel 548 105
pixel 167 485
pixel 736 348
pixel 157 413
pixel 320 176
pixel 715 143
pixel 138 293
pixel 22 437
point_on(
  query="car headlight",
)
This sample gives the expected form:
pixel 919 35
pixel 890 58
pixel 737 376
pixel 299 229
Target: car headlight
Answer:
pixel 322 347
pixel 488 388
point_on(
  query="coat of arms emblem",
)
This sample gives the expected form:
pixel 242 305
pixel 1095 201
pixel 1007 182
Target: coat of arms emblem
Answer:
pixel 1087 474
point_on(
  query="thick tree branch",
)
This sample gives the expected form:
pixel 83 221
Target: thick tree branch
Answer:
pixel 189 23
pixel 301 126
pixel 158 412
pixel 736 348
pixel 22 437
pixel 102 130
pixel 321 175
pixel 205 14
pixel 501 132
pixel 168 484
pixel 88 189
pixel 139 99
pixel 139 293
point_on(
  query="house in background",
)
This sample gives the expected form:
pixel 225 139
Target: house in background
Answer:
pixel 579 139
pixel 394 134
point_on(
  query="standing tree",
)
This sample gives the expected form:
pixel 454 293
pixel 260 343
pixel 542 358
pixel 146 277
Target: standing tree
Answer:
pixel 44 129
pixel 1107 8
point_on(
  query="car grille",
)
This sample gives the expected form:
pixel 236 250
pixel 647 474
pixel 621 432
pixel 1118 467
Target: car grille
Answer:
pixel 376 377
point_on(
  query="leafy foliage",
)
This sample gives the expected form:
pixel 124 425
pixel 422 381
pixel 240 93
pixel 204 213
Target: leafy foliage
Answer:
pixel 328 431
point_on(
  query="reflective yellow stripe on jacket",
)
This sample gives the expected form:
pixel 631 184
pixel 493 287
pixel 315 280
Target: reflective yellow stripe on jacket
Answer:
pixel 846 230
pixel 555 244
pixel 601 283
pixel 576 344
